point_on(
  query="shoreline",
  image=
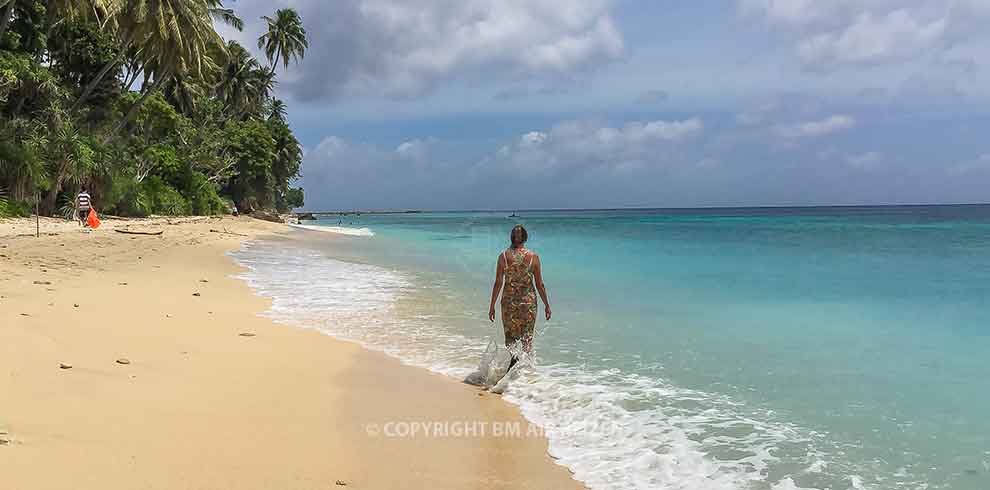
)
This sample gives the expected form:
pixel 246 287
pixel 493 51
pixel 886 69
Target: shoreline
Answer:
pixel 196 404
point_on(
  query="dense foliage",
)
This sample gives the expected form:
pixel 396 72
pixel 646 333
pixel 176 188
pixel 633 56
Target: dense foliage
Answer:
pixel 145 105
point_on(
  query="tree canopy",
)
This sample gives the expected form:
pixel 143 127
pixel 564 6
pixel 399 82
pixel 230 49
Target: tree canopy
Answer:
pixel 145 105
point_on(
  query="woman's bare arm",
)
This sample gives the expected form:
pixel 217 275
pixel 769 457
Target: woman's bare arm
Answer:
pixel 497 287
pixel 540 287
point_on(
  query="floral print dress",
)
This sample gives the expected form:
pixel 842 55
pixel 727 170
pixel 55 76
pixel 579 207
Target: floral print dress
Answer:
pixel 519 298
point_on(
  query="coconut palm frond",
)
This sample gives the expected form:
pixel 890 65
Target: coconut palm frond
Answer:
pixel 227 16
pixel 285 39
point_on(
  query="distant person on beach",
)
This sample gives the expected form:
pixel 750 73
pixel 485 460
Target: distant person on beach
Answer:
pixel 83 205
pixel 519 270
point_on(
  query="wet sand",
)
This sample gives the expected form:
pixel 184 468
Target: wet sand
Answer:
pixel 176 382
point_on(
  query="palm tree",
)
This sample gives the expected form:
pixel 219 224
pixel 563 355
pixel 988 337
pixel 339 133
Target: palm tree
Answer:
pixel 175 33
pixel 58 9
pixel 171 50
pixel 225 15
pixel 237 80
pixel 285 39
pixel 103 11
pixel 263 84
pixel 183 92
pixel 244 85
pixel 61 10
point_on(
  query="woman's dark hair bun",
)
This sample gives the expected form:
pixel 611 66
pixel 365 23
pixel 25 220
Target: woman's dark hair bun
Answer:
pixel 521 231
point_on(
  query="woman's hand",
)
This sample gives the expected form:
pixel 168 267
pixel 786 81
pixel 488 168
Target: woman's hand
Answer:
pixel 548 312
pixel 491 313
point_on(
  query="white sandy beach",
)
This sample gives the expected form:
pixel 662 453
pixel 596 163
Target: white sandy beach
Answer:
pixel 139 361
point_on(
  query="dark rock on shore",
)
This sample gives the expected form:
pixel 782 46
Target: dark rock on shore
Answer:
pixel 267 216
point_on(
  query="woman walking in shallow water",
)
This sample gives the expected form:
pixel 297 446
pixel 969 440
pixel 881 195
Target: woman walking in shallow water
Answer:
pixel 520 272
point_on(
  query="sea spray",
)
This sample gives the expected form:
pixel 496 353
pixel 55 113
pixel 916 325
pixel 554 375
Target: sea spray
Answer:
pixel 831 348
pixel 590 417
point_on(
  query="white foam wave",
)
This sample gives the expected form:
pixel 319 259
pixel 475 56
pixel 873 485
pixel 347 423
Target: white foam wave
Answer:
pixel 340 230
pixel 613 429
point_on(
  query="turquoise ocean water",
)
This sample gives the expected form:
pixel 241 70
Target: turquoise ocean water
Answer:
pixel 771 348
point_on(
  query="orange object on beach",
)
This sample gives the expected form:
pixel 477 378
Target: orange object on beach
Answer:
pixel 92 219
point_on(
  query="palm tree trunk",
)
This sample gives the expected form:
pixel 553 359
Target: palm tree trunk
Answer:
pixel 103 73
pixel 8 11
pixel 275 62
pixel 134 108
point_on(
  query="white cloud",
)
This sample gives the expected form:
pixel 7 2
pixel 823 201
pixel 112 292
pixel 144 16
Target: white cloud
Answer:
pixel 793 12
pixel 831 34
pixel 416 150
pixel 420 171
pixel 342 173
pixel 811 129
pixel 662 130
pixel 574 145
pixel 653 163
pixel 532 138
pixel 871 39
pixel 405 47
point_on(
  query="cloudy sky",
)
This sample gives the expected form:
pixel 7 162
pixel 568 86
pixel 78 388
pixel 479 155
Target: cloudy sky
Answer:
pixel 513 104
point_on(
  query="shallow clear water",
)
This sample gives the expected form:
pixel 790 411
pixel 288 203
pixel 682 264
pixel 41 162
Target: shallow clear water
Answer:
pixel 825 348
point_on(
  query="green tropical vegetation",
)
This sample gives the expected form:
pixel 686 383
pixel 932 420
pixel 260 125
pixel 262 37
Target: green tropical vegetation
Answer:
pixel 143 103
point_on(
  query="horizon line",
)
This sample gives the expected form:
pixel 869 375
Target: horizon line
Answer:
pixel 637 208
